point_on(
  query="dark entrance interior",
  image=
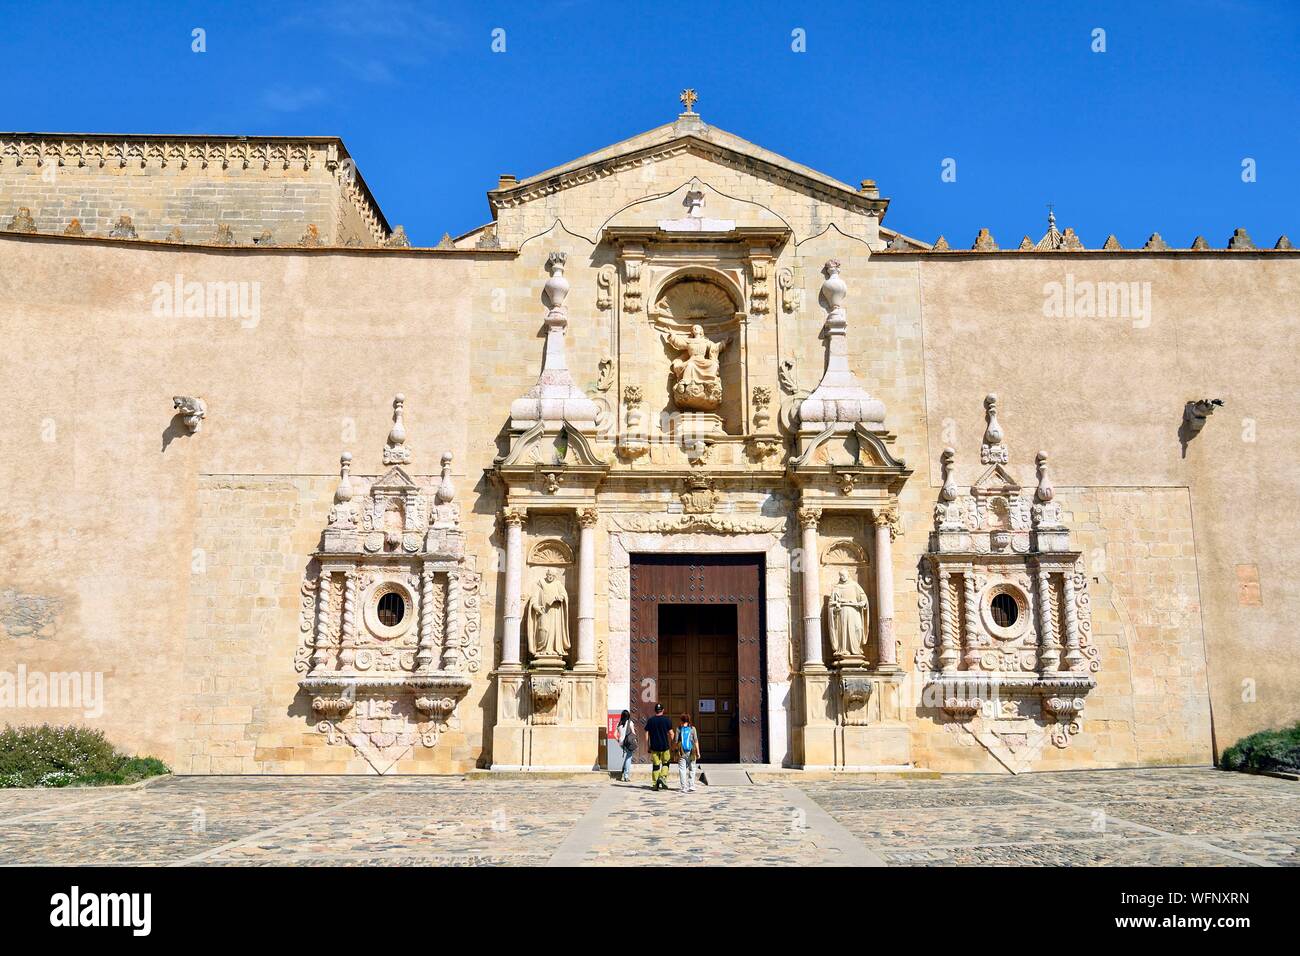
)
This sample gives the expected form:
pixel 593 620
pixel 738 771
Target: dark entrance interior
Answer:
pixel 697 648
pixel 698 675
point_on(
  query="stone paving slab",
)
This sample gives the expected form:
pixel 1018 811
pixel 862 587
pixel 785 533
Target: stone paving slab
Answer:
pixel 1184 816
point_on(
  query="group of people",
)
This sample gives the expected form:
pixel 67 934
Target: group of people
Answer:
pixel 663 741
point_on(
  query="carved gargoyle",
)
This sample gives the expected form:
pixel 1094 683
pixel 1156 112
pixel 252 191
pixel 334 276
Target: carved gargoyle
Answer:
pixel 192 410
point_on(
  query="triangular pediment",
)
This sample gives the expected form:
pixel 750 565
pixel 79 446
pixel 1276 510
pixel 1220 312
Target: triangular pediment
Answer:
pixel 691 135
pixel 395 479
pixel 995 479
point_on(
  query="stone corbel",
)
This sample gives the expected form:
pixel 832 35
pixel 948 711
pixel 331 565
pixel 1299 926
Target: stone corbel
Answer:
pixel 633 258
pixel 855 692
pixel 962 709
pixel 1063 715
pixel 545 691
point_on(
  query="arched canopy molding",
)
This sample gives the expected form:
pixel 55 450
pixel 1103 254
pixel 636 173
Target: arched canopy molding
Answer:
pixel 697 295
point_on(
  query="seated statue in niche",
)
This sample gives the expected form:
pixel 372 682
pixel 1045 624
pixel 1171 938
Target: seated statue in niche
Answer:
pixel 548 619
pixel 698 385
pixel 848 619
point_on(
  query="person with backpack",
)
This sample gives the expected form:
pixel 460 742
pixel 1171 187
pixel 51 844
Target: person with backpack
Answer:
pixel 688 750
pixel 659 741
pixel 627 740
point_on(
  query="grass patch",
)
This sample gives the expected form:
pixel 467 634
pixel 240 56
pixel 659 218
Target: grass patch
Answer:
pixel 1276 750
pixel 71 756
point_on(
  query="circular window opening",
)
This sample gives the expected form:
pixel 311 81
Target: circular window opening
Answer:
pixel 392 609
pixel 1003 608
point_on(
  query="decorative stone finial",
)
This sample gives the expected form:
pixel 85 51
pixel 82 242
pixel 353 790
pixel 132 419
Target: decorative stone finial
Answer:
pixel 22 221
pixel 1200 244
pixel 1155 243
pixel 396 452
pixel 265 240
pixel 175 235
pixel 446 490
pixel 557 286
pixel 1026 244
pixel 992 451
pixel 834 288
pixel 1240 240
pixel 984 242
pixel 1070 240
pixel 838 399
pixel 1045 492
pixel 311 238
pixel 947 511
pixel 446 242
pixel 343 493
pixel 1112 243
pixel 123 229
pixel 946 461
pixel 224 236
pixel 191 410
pixel 941 245
pixel 74 228
pixel 397 239
pixel 555 398
pixel 688 98
pixel 1283 243
pixel 341 514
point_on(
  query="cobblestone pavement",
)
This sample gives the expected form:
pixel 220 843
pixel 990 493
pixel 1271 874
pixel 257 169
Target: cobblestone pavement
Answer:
pixel 1192 816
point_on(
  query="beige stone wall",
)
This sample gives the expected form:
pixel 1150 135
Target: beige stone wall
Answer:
pixel 111 511
pixel 280 185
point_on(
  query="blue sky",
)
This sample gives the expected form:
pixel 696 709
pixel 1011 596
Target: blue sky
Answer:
pixel 1149 135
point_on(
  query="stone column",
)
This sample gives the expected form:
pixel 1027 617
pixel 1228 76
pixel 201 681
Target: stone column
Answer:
pixel 320 637
pixel 812 592
pixel 948 652
pixel 1049 657
pixel 513 612
pixel 452 640
pixel 424 650
pixel 1073 656
pixel 970 613
pixel 587 519
pixel 886 523
pixel 348 637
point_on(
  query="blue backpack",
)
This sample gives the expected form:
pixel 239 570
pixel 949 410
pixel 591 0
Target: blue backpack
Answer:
pixel 688 739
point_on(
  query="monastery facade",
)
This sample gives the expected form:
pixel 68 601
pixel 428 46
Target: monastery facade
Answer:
pixel 684 422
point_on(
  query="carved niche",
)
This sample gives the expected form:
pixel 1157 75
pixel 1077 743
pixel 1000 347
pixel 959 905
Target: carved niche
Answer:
pixel 390 620
pixel 1005 612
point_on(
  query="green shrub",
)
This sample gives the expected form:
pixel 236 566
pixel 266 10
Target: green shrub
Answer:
pixel 1266 750
pixel 48 756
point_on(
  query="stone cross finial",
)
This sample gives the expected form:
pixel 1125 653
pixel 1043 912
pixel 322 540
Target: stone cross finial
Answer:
pixel 396 452
pixel 992 451
pixel 688 99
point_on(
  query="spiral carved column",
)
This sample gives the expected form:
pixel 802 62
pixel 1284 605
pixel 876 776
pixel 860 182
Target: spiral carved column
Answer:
pixel 948 652
pixel 451 644
pixel 424 653
pixel 1049 658
pixel 1073 656
pixel 348 639
pixel 320 638
pixel 971 612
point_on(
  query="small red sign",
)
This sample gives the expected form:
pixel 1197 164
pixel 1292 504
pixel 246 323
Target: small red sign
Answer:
pixel 611 724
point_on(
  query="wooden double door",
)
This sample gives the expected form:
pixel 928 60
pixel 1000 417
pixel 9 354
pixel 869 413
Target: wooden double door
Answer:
pixel 697 648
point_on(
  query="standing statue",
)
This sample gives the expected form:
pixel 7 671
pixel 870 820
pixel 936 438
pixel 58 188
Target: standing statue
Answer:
pixel 848 618
pixel 699 382
pixel 548 618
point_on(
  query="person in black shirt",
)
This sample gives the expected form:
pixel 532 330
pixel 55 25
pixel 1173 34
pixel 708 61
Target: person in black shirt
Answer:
pixel 659 741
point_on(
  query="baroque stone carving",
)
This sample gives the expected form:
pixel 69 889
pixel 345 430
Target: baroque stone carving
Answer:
pixel 548 620
pixel 848 620
pixel 1004 611
pixel 390 624
pixel 722 524
pixel 699 495
pixel 698 381
pixel 192 412
pixel 855 692
pixel 545 690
